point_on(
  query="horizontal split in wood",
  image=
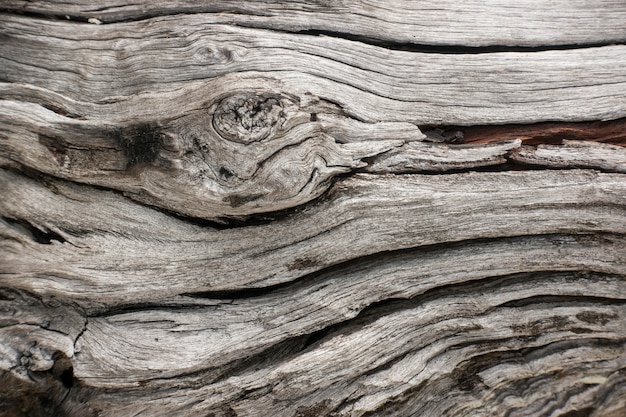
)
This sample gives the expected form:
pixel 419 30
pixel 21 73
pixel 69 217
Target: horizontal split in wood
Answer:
pixel 360 216
pixel 549 133
pixel 473 23
pixel 246 153
pixel 451 49
pixel 108 64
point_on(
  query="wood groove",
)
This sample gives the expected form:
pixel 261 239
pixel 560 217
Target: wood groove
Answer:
pixel 450 49
pixel 549 133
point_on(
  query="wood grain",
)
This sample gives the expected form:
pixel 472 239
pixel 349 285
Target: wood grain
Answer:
pixel 103 64
pixel 490 338
pixel 574 153
pixel 361 216
pixel 423 22
pixel 266 208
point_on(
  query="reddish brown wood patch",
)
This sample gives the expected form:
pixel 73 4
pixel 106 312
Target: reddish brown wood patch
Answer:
pixel 612 131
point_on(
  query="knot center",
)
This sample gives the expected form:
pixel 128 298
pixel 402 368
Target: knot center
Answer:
pixel 246 118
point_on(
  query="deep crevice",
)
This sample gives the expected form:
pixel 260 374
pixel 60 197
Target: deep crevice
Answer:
pixel 449 49
pixel 540 133
pixel 554 299
pixel 509 166
pixel 63 370
pixel 40 235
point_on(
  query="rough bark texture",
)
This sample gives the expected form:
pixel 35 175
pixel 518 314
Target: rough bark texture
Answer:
pixel 313 208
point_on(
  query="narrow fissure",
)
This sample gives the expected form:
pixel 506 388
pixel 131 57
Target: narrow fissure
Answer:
pixel 379 258
pixel 449 49
pixel 85 17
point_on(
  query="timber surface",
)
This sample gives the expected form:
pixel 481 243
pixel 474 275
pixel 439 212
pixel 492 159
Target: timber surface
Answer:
pixel 313 208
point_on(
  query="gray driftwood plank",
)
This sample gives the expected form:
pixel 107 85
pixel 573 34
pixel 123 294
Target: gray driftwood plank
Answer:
pixel 232 209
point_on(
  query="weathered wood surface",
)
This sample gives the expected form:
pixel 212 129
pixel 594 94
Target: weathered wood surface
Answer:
pixel 422 22
pixel 181 64
pixel 211 110
pixel 266 208
pixel 361 216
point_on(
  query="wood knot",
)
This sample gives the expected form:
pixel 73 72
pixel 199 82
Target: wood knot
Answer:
pixel 248 117
pixel 248 152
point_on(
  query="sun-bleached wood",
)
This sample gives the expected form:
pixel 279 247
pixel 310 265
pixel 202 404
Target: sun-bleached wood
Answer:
pixel 363 215
pixel 422 22
pixel 230 209
pixel 175 63
pixel 434 157
pixel 574 153
pixel 477 338
pixel 209 163
pixel 236 332
pixel 205 129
